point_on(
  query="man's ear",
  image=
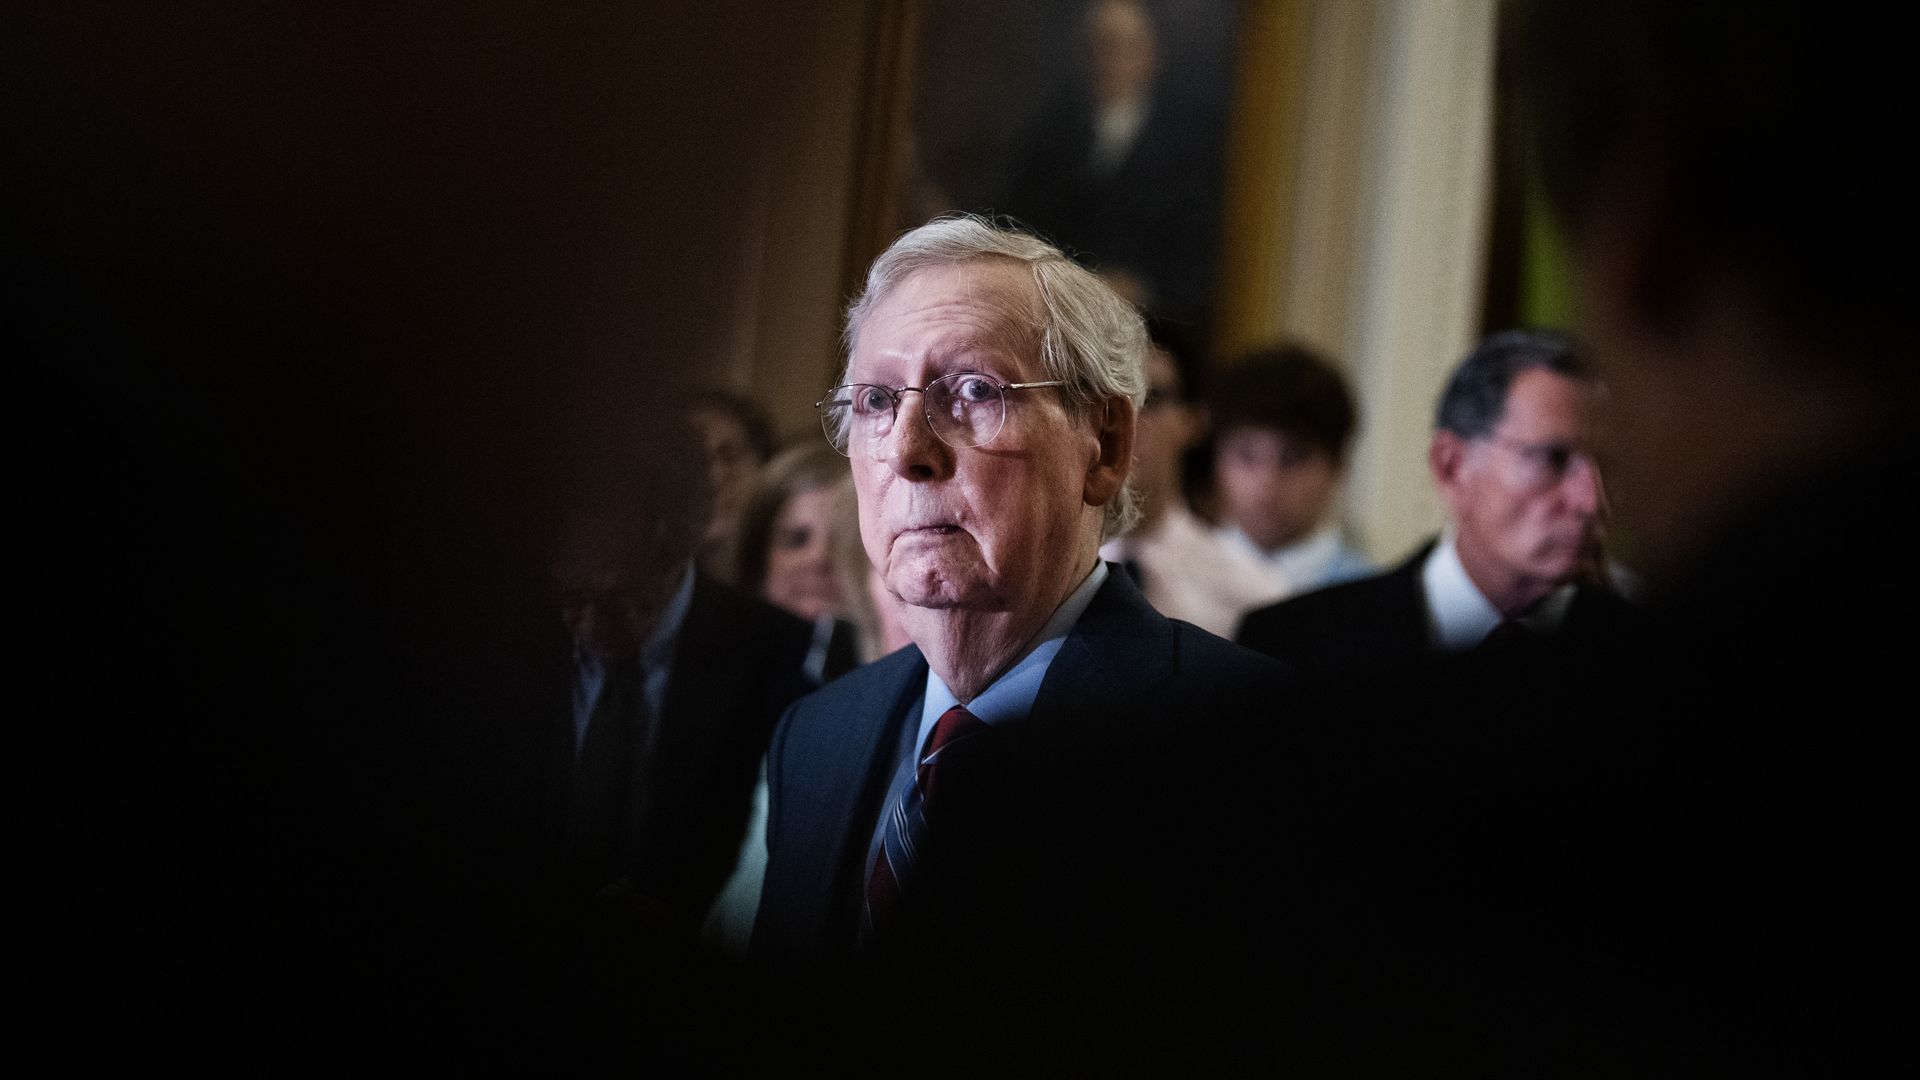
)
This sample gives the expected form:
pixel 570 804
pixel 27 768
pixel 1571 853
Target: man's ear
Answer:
pixel 1446 457
pixel 1113 457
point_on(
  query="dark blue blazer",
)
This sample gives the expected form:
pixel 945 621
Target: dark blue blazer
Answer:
pixel 1068 830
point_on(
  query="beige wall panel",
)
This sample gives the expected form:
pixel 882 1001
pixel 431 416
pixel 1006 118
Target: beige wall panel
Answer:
pixel 1420 250
pixel 793 272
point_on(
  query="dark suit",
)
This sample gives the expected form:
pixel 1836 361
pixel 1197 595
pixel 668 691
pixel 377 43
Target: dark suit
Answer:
pixel 1062 884
pixel 737 664
pixel 1689 867
pixel 1381 623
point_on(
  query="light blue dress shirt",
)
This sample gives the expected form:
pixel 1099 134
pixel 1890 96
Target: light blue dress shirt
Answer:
pixel 1006 700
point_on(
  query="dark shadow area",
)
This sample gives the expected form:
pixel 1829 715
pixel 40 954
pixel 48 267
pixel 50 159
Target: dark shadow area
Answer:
pixel 312 311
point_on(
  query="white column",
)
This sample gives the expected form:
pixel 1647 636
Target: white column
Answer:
pixel 1421 250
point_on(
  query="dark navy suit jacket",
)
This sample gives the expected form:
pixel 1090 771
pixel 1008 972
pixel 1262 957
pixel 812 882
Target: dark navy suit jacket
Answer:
pixel 1079 850
pixel 737 665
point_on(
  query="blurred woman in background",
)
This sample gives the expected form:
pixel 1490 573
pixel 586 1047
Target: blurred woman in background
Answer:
pixel 868 605
pixel 786 544
pixel 794 524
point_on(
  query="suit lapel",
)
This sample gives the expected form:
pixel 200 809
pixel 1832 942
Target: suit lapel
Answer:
pixel 1119 649
pixel 1407 604
pixel 700 695
pixel 699 713
pixel 850 770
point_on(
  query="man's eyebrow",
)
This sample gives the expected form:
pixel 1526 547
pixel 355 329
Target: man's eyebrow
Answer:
pixel 966 350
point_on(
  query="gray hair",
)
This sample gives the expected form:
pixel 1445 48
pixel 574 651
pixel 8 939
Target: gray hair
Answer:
pixel 1090 338
pixel 1475 399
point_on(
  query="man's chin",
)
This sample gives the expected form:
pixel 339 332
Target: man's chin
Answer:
pixel 941 589
pixel 942 596
pixel 1560 568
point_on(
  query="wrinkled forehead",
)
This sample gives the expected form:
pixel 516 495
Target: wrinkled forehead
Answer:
pixel 987 300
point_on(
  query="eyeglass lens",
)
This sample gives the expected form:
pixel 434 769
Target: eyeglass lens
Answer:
pixel 1542 465
pixel 963 409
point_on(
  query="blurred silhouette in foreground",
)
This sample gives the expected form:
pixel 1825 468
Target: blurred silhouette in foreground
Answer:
pixel 1691 868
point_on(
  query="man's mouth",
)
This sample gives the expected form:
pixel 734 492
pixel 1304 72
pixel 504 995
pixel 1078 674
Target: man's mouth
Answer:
pixel 930 530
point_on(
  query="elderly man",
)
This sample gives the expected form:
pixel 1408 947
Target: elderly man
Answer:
pixel 1511 458
pixel 1005 801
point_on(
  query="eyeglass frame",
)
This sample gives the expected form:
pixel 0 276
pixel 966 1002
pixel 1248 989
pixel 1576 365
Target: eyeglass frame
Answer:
pixel 893 394
pixel 1541 454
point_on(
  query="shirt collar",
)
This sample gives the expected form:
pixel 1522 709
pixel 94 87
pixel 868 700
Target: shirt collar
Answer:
pixel 658 649
pixel 656 660
pixel 1289 564
pixel 1010 697
pixel 1459 617
pixel 1309 559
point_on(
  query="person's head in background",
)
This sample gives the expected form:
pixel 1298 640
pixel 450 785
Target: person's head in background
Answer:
pixel 1283 421
pixel 630 516
pixel 1512 457
pixel 788 530
pixel 737 439
pixel 1123 54
pixel 1168 425
pixel 873 610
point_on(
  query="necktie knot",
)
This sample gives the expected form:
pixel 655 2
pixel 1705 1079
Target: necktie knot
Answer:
pixel 1510 634
pixel 954 725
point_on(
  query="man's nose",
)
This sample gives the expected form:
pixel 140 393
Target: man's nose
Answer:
pixel 1582 485
pixel 911 449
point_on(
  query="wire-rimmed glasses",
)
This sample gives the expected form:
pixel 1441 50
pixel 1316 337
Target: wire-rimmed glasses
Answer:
pixel 962 409
pixel 1541 465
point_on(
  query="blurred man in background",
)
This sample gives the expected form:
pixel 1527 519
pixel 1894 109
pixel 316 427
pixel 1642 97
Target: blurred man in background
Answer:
pixel 1182 568
pixel 1283 422
pixel 1512 458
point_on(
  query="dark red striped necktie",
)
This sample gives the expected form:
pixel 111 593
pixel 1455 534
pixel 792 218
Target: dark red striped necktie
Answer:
pixel 904 831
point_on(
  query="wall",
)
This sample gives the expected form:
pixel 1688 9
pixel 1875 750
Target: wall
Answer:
pixel 1369 219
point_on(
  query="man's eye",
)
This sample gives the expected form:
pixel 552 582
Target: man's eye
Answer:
pixel 871 400
pixel 974 389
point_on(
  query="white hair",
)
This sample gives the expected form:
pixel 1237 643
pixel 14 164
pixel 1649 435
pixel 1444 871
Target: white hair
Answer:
pixel 1090 338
